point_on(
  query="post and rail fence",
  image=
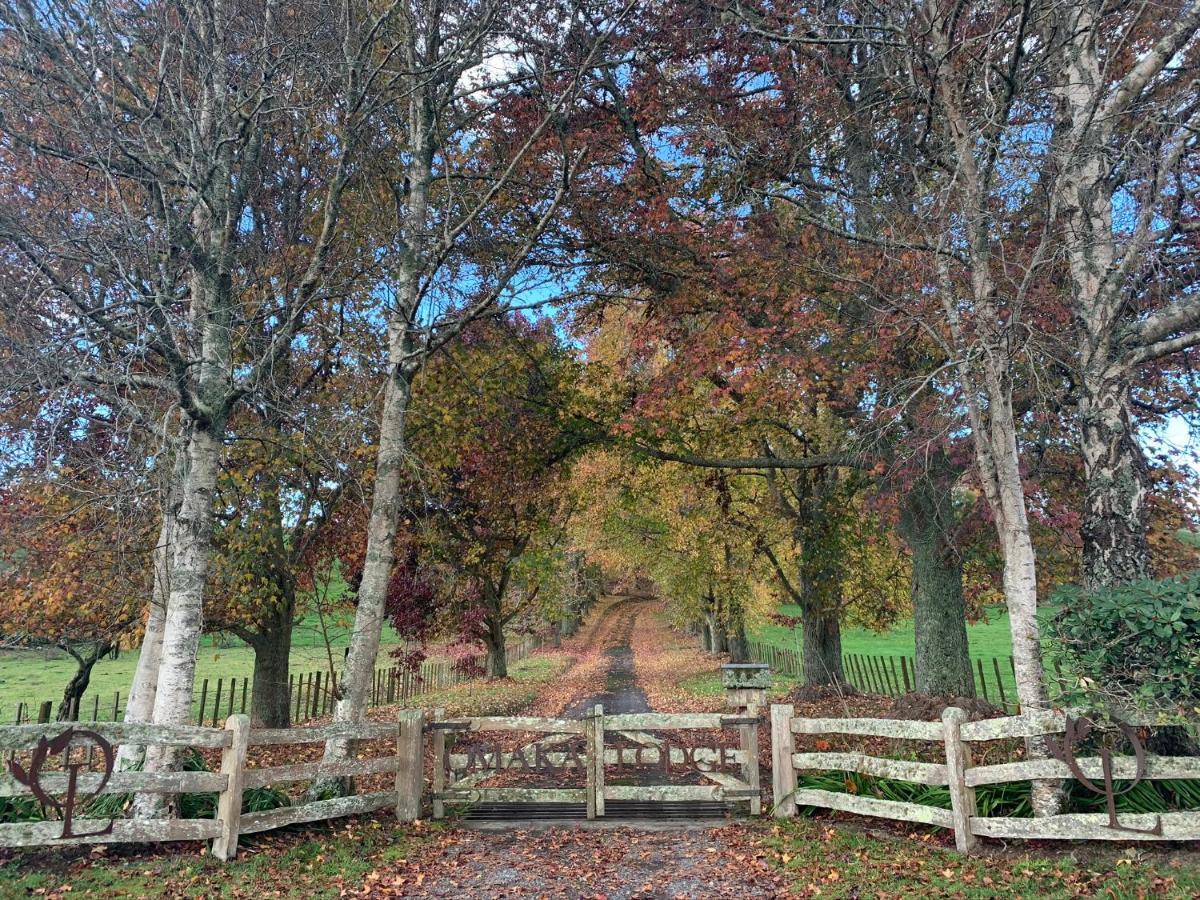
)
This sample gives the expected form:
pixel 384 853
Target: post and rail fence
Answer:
pixel 47 763
pixel 36 745
pixel 53 763
pixel 955 735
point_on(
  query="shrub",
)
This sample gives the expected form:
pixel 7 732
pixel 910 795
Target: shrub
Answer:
pixel 1134 645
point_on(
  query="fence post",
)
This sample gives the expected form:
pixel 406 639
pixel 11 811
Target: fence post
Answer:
pixel 598 754
pixel 589 754
pixel 783 773
pixel 962 798
pixel 229 804
pixel 410 767
pixel 439 765
pixel 749 742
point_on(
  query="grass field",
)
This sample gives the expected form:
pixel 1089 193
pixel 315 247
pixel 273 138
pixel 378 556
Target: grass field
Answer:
pixel 988 638
pixel 33 676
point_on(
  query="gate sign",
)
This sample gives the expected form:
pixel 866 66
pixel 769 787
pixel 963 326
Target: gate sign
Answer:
pixel 538 759
pixel 1077 731
pixel 32 778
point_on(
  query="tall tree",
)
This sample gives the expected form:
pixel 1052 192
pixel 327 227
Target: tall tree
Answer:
pixel 475 164
pixel 491 426
pixel 142 134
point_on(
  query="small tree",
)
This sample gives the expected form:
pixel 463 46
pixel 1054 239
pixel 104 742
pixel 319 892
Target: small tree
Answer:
pixel 75 568
pixel 487 499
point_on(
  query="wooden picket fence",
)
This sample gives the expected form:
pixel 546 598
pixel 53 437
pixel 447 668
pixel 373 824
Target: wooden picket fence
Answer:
pixel 895 675
pixel 961 777
pixel 402 759
pixel 311 695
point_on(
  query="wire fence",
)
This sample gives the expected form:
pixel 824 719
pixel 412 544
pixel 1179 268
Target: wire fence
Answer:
pixel 310 694
pixel 895 675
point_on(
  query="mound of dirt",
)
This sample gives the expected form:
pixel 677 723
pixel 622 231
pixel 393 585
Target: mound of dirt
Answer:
pixel 818 693
pixel 930 708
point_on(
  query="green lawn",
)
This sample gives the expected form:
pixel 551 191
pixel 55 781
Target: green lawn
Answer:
pixel 988 639
pixel 33 676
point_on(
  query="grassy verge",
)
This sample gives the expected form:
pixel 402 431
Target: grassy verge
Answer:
pixel 832 861
pixel 320 862
pixel 500 697
pixel 709 684
pixel 987 638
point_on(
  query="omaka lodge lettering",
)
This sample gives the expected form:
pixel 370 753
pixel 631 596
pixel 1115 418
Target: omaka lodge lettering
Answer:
pixel 665 758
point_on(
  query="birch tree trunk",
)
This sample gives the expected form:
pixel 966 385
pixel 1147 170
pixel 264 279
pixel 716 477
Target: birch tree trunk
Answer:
pixel 140 706
pixel 1116 549
pixel 184 619
pixel 998 456
pixel 377 567
pixel 1095 156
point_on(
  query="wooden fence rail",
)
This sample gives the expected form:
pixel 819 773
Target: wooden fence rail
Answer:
pixel 961 777
pixel 404 762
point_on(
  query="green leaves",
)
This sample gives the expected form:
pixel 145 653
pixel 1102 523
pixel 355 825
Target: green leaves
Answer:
pixel 1136 643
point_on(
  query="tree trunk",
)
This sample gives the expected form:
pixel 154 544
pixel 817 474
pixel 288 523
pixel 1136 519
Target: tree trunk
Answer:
pixel 73 693
pixel 570 624
pixel 497 657
pixel 272 643
pixel 739 648
pixel 139 708
pixel 184 620
pixel 998 457
pixel 715 638
pixel 943 660
pixel 377 569
pixel 1115 547
pixel 822 648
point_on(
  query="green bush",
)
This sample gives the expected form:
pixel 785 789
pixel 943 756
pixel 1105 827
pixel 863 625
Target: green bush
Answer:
pixel 1134 645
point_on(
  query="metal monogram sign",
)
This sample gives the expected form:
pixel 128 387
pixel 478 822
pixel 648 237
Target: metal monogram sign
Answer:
pixel 32 778
pixel 1077 731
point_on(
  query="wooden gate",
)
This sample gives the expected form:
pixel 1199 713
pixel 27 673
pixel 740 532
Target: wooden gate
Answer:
pixel 589 761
